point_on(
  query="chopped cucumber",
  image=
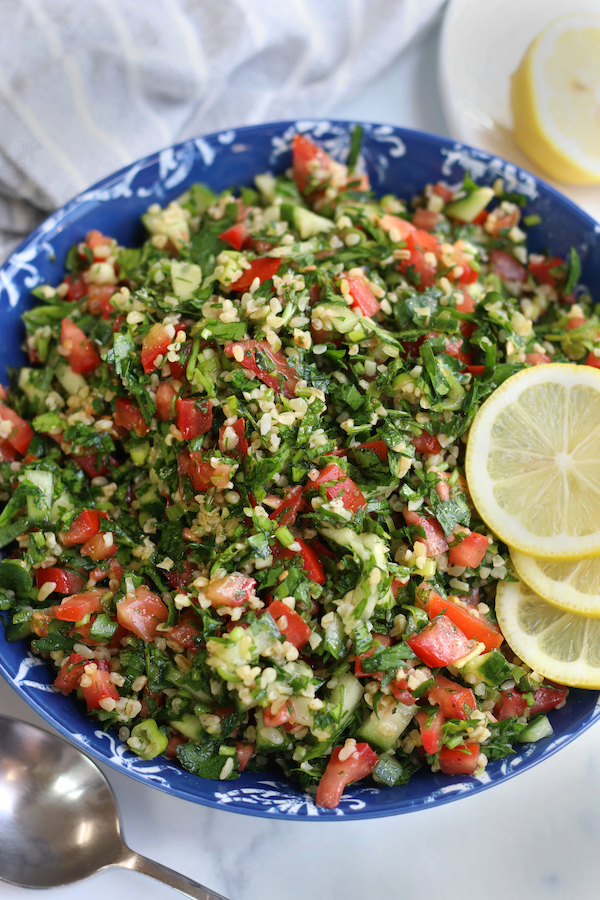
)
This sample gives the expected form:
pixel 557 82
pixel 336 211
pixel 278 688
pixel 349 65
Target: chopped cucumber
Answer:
pixel 189 726
pixel 308 223
pixel 537 729
pixel 40 506
pixel 186 278
pixel 269 740
pixel 384 733
pixel 468 208
pixel 492 668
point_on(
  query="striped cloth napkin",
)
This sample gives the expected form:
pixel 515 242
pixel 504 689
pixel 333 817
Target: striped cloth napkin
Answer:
pixel 87 87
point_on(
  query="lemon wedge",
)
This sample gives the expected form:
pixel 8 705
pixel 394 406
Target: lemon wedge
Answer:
pixel 572 586
pixel 555 97
pixel 559 645
pixel 533 461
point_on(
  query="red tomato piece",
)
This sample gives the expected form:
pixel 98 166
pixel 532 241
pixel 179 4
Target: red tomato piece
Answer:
pixel 476 370
pixel 228 445
pixel 155 345
pixel 431 735
pixel 99 296
pixel 378 447
pixel 164 401
pixel 97 547
pixel 69 674
pixel 20 436
pixel 290 624
pixel 435 539
pixel 244 753
pixel 310 163
pixel 467 304
pixel 542 270
pixel 404 228
pixel 310 561
pixel 84 527
pixel 95 239
pixel 232 590
pixel 87 463
pixel 283 715
pixel 383 640
pixel 352 497
pixel 507 267
pixel 263 268
pixel 440 643
pixel 289 506
pixel 142 613
pixel 7 451
pixel 504 223
pixel 180 577
pixel 462 760
pixel 340 773
pixel 194 417
pixel 77 287
pixel 66 582
pixel 184 633
pixel 425 219
pixel 575 322
pixel 470 552
pixel 444 192
pixel 271 378
pixel 363 297
pixel 426 443
pixel 100 688
pixel 454 701
pixel 476 627
pixel 593 361
pixel 454 348
pixel 80 350
pixel 179 367
pixel 128 416
pixel 77 607
pixel 547 698
pixel 236 236
pixel 512 704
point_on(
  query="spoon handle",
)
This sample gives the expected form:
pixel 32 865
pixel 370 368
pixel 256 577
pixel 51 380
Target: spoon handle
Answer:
pixel 138 863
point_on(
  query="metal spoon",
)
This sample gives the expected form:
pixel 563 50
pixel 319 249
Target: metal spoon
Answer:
pixel 59 822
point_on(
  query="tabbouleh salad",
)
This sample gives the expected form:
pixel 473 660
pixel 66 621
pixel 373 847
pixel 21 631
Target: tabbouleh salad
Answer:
pixel 236 519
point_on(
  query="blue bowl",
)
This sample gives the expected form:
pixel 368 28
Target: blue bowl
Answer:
pixel 400 162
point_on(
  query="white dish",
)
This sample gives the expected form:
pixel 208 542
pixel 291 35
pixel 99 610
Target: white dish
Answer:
pixel 482 43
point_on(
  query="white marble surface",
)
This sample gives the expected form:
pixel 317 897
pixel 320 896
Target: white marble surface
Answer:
pixel 536 836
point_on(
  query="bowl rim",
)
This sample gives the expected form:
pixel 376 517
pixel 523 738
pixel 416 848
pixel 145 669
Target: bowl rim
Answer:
pixel 439 796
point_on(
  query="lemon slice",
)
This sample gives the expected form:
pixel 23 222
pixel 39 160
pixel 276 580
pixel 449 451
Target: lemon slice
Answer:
pixel 572 586
pixel 557 644
pixel 533 461
pixel 555 96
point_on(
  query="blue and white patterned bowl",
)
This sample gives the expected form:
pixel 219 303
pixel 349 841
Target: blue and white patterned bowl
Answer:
pixel 398 161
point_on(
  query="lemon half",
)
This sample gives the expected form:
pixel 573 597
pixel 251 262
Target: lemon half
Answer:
pixel 559 645
pixel 533 461
pixel 572 586
pixel 555 96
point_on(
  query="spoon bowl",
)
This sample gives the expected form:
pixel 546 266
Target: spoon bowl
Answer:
pixel 59 821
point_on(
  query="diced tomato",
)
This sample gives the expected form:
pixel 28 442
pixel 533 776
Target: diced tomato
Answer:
pixel 363 297
pixel 421 243
pixel 80 350
pixel 66 582
pixel 454 701
pixel 85 526
pixel 435 539
pixel 7 451
pixel 476 370
pixel 87 462
pixel 263 268
pixel 310 561
pixel 444 192
pixel 476 627
pixel 507 267
pixel 273 720
pixel 426 443
pixel 425 219
pixel 244 753
pixel 69 674
pixel 467 304
pixel 164 401
pixel 77 607
pixel 232 590
pixel 542 270
pixel 236 236
pixel 593 361
pixel 431 735
pixel 440 643
pixel 454 348
pixel 575 322
pixel 504 223
pixel 99 296
pixel 462 760
pixel 142 614
pixel 481 218
pixel 118 322
pixel 282 372
pixel 241 445
pixel 20 436
pixel 202 475
pixel 115 641
pixel 344 487
pixel 379 640
pixel 289 506
pixel 512 704
pixel 128 415
pixel 404 228
pixel 338 774
pixel 96 239
pixel 185 633
pixel 179 367
pixel 310 163
pixel 547 698
pixel 290 624
pixel 537 359
pixel 77 287
pixel 155 345
pixel 180 577
pixel 470 552
pixel 378 447
pixel 101 688
pixel 97 547
pixel 194 417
